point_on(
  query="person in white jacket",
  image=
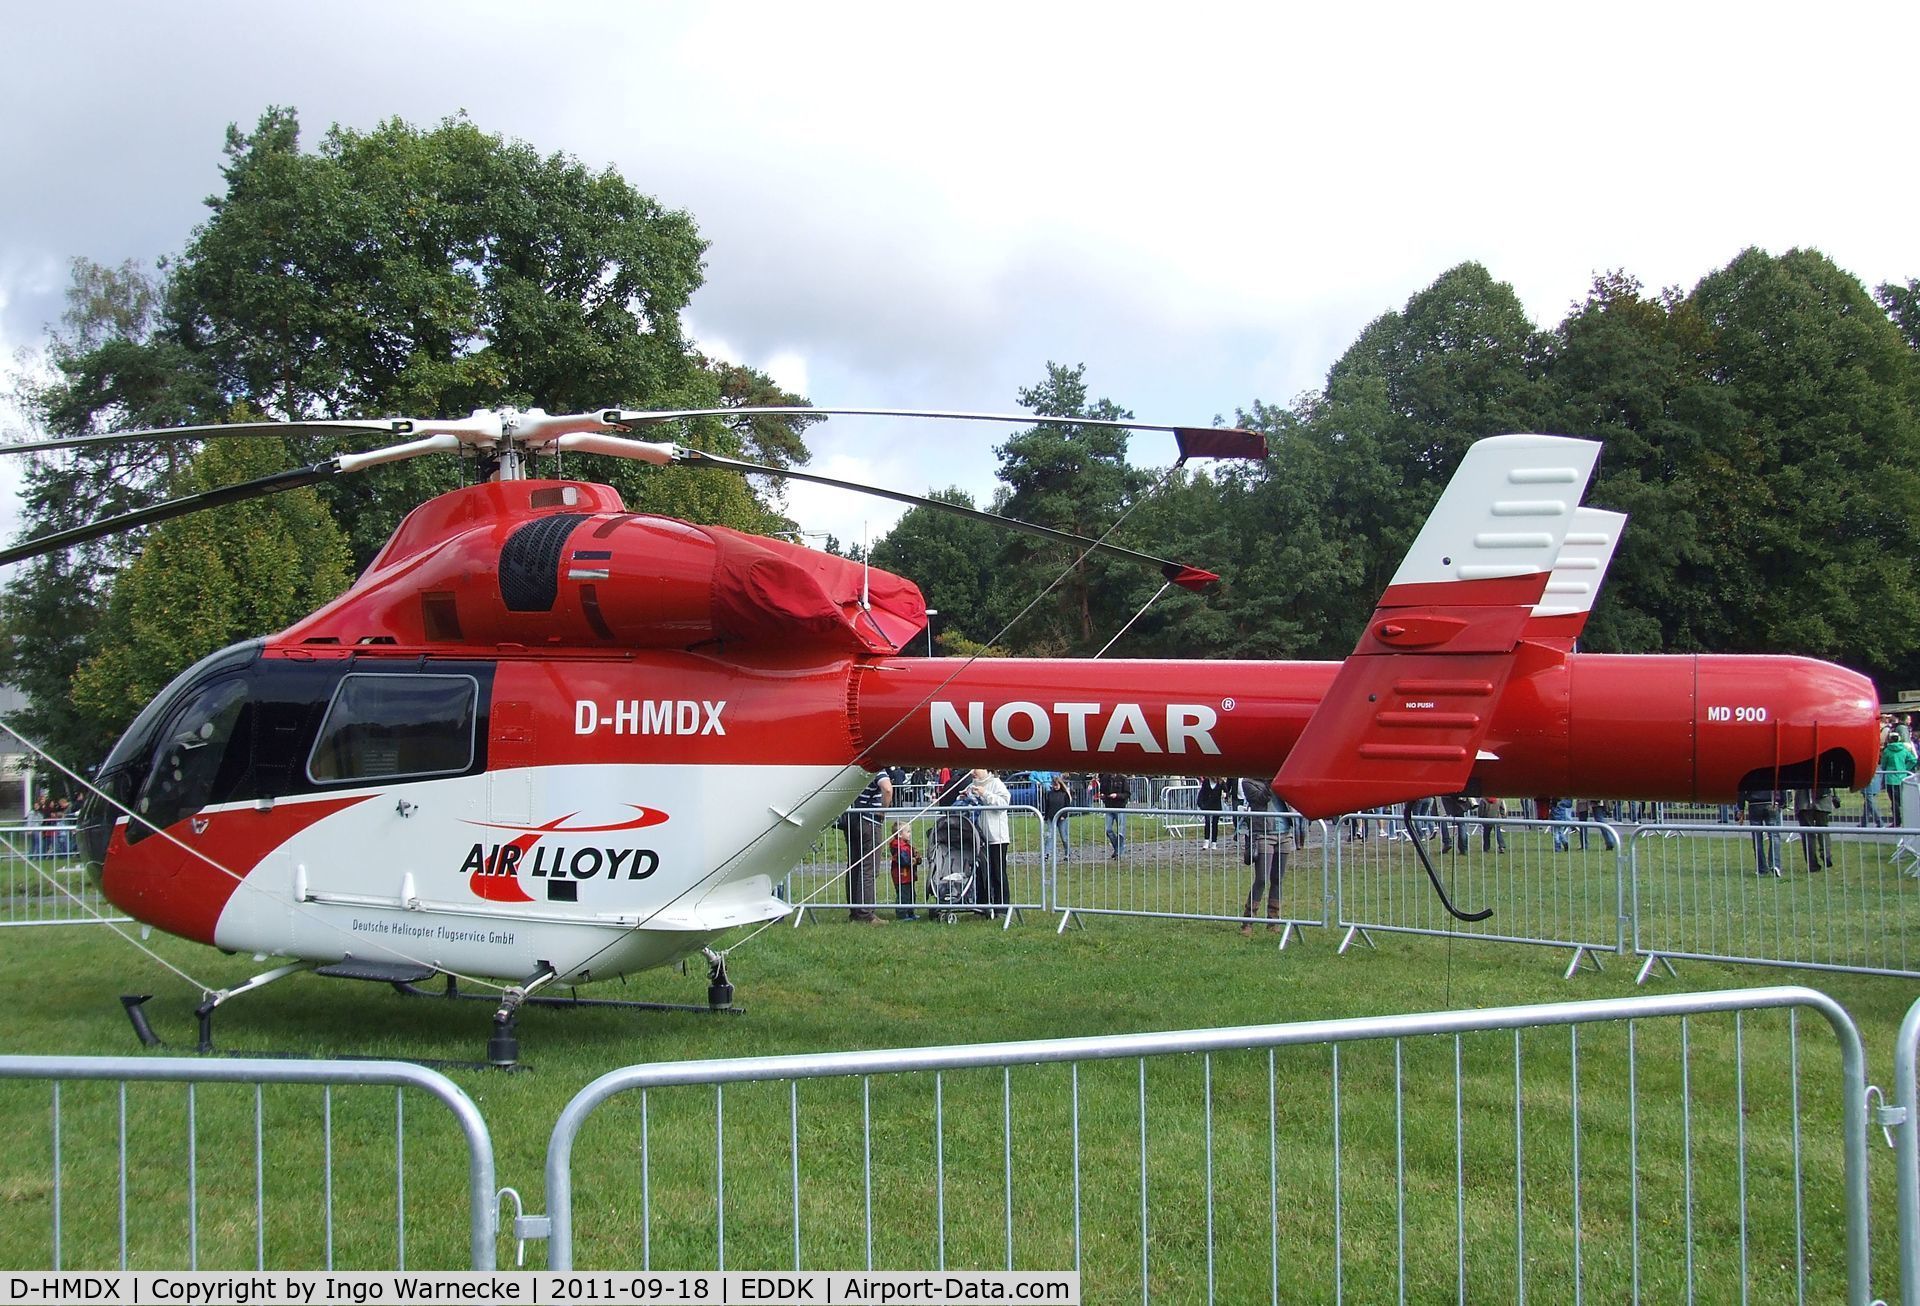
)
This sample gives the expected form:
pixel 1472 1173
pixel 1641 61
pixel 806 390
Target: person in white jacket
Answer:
pixel 990 792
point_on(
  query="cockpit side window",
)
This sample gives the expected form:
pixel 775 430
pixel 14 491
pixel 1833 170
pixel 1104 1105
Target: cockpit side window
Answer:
pixel 381 726
pixel 199 754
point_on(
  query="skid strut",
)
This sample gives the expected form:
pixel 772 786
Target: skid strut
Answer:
pixel 216 1000
pixel 503 1048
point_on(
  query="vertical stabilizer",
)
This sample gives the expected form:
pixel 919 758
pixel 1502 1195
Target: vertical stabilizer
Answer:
pixel 1406 715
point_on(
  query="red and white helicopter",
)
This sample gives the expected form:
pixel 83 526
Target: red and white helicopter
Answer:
pixel 544 739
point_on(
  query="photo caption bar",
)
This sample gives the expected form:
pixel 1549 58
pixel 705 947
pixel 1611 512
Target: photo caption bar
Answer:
pixel 530 1288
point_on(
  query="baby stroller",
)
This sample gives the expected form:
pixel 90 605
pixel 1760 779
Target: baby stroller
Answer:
pixel 953 859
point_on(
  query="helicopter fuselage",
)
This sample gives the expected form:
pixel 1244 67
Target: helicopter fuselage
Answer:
pixel 542 731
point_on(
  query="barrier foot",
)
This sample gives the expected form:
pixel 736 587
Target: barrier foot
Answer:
pixel 1006 918
pixel 799 914
pixel 1066 919
pixel 1353 932
pixel 1287 932
pixel 1647 969
pixel 1580 954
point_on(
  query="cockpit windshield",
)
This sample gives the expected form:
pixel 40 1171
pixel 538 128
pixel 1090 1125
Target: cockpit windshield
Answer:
pixel 187 761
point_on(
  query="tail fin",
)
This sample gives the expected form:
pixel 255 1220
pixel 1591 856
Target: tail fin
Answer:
pixel 1406 714
pixel 1563 610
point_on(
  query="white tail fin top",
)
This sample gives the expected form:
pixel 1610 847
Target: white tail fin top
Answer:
pixel 1506 512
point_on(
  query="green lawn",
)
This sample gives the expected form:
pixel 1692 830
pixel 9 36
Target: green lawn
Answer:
pixel 830 986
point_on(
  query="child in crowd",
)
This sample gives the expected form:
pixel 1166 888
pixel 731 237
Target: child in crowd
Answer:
pixel 903 858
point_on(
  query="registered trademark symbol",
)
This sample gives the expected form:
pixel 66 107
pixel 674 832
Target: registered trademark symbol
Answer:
pixel 1226 705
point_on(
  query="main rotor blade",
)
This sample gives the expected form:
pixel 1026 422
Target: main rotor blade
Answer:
pixel 1191 578
pixel 1195 441
pixel 382 426
pixel 237 493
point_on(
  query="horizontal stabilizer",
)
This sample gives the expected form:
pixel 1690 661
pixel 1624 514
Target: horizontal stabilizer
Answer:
pixel 1573 587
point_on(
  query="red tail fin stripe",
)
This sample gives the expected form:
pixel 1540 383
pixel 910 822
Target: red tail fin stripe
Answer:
pixel 1564 627
pixel 1504 591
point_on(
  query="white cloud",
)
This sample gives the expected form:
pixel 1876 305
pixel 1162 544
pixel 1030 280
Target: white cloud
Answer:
pixel 788 368
pixel 920 207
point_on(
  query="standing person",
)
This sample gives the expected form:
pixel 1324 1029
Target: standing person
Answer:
pixel 1896 764
pixel 1211 800
pixel 1268 853
pixel 1814 811
pixel 1453 830
pixel 38 843
pixel 1585 812
pixel 863 827
pixel 903 859
pixel 1562 815
pixel 1057 799
pixel 1869 809
pixel 990 792
pixel 1116 792
pixel 1763 814
pixel 62 818
pixel 1491 810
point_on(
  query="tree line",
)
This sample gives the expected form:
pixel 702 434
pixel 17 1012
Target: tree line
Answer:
pixel 402 270
pixel 1763 430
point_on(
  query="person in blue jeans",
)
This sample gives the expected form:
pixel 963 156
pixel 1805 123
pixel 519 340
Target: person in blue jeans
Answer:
pixel 1763 814
pixel 1057 799
pixel 1115 790
pixel 1563 813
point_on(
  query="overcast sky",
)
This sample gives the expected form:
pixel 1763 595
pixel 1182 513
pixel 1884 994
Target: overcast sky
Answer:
pixel 919 206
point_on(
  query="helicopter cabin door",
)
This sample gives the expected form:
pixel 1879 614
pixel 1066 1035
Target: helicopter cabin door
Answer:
pixel 510 761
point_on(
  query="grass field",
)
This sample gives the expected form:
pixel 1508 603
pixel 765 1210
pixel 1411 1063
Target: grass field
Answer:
pixel 1710 1222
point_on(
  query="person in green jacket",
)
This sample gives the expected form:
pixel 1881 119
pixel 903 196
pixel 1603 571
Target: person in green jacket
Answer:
pixel 1897 762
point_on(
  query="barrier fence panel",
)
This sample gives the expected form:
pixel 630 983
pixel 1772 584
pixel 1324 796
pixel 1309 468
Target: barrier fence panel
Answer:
pixel 1149 871
pixel 1697 1147
pixel 818 885
pixel 1709 892
pixel 43 880
pixel 1555 883
pixel 144 1163
pixel 1179 805
pixel 1903 1129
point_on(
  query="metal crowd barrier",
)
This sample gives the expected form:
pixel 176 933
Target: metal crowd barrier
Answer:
pixel 1709 892
pixel 1664 891
pixel 1197 1164
pixel 1901 1119
pixel 1179 809
pixel 1557 884
pixel 145 1182
pixel 1156 872
pixel 43 880
pixel 819 884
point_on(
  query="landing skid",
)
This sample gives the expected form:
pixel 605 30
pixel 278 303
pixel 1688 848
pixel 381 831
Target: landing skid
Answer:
pixel 503 1047
pixel 452 990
